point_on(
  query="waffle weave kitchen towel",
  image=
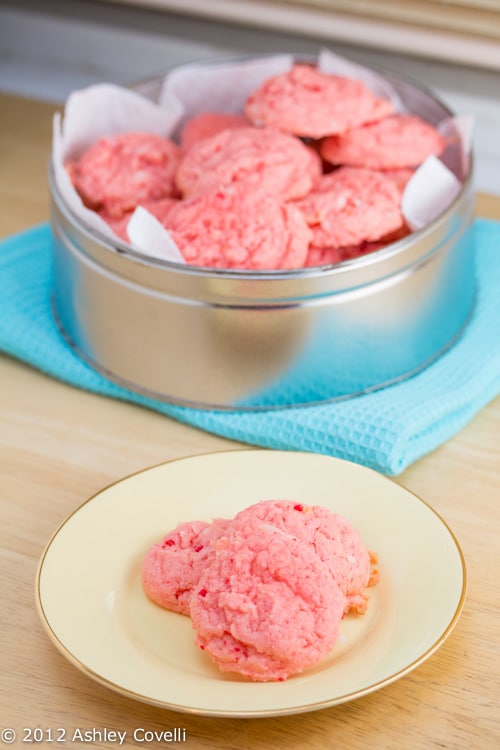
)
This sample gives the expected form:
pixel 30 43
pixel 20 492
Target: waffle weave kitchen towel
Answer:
pixel 386 430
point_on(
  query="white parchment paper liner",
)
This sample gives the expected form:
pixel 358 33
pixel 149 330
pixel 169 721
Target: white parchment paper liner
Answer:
pixel 107 110
pixel 219 87
pixel 149 236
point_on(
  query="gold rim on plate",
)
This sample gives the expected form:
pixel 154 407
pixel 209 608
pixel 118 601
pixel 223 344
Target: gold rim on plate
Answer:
pixel 90 599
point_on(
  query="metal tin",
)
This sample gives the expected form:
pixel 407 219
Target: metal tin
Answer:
pixel 226 339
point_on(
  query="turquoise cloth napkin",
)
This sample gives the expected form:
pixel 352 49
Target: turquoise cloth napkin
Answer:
pixel 386 430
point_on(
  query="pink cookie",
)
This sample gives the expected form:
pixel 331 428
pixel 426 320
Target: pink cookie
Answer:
pixel 327 256
pixel 159 209
pixel 394 142
pixel 118 225
pixel 207 124
pixel 400 177
pixel 238 227
pixel 266 607
pixel 313 104
pixel 349 206
pixel 257 157
pixel 117 174
pixel 330 535
pixel 172 567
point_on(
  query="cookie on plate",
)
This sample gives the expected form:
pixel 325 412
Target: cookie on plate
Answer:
pixel 266 607
pixel 330 535
pixel 172 567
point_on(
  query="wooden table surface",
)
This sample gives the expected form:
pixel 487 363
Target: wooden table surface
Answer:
pixel 59 445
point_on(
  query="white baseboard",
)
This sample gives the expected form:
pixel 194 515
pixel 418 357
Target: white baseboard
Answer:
pixel 452 46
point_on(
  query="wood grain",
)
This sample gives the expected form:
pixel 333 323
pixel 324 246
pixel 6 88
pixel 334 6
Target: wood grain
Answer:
pixel 59 445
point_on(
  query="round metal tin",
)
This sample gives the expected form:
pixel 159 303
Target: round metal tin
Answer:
pixel 229 339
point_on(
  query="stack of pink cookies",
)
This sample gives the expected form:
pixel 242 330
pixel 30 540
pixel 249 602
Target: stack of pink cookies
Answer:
pixel 310 173
pixel 267 590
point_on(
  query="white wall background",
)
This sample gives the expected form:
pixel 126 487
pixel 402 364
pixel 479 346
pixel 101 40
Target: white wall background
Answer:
pixel 49 47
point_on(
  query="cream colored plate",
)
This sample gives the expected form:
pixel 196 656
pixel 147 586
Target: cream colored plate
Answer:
pixel 91 601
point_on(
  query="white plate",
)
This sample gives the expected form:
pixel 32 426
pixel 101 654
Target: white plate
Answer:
pixel 90 598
